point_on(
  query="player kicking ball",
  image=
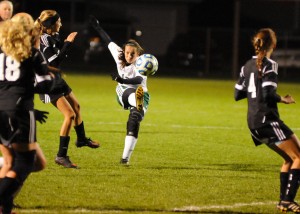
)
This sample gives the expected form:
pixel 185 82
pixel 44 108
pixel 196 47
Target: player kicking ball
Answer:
pixel 132 92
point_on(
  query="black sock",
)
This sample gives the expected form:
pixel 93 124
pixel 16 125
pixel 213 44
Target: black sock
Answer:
pixel 63 146
pixel 80 131
pixel 8 187
pixel 284 179
pixel 293 185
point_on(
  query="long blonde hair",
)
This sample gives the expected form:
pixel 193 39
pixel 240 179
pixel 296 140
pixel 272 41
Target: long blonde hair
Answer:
pixel 28 23
pixel 15 41
pixel 47 21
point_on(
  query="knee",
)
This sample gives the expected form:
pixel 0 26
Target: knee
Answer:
pixel 23 164
pixel 287 163
pixel 133 123
pixel 39 164
pixel 70 115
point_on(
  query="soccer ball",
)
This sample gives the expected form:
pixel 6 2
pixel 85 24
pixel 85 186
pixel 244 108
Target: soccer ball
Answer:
pixel 146 64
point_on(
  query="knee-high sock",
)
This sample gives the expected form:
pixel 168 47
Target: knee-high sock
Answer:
pixel 130 143
pixel 63 146
pixel 80 132
pixel 284 178
pixel 8 188
pixel 293 185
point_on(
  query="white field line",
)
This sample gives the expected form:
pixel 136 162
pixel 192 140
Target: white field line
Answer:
pixel 221 207
pixel 181 126
pixel 175 126
pixel 182 209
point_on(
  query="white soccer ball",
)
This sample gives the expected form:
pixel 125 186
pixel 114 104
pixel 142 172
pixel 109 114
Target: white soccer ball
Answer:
pixel 146 64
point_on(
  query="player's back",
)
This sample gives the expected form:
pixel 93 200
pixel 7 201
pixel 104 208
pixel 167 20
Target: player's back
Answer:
pixel 259 110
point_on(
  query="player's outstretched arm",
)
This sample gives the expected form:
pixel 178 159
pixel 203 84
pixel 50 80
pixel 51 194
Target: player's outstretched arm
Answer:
pixel 96 25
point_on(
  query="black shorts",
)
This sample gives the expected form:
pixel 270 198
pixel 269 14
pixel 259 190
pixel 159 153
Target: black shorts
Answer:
pixel 17 127
pixel 61 86
pixel 272 133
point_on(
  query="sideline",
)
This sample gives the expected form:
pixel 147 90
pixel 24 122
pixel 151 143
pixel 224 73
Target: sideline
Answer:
pixel 222 207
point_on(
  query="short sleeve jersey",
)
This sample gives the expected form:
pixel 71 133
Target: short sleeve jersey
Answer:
pixel 260 111
pixel 17 80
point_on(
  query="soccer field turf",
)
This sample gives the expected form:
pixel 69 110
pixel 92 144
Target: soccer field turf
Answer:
pixel 194 153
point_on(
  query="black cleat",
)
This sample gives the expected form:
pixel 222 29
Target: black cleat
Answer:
pixel 287 206
pixel 124 161
pixel 87 142
pixel 65 162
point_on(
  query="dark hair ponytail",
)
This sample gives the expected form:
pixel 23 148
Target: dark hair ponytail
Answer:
pixel 263 41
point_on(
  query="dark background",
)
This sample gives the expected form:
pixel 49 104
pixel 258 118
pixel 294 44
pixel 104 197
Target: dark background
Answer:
pixel 198 38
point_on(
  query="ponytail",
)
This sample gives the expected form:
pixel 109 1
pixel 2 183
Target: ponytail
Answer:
pixel 263 42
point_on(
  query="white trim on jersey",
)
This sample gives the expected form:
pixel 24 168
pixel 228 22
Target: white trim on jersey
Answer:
pixel 239 87
pixel 269 83
pixel 52 58
pixel 270 71
pixel 42 78
pixel 45 40
pixel 242 72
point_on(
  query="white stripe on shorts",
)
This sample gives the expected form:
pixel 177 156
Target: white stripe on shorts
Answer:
pixel 279 133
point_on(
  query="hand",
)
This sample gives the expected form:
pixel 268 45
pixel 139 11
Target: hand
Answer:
pixel 71 37
pixel 116 77
pixel 287 99
pixel 40 116
pixel 93 21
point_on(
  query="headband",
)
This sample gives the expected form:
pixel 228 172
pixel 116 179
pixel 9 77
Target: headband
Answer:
pixel 51 21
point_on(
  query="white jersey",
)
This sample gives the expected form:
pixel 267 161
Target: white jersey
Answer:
pixel 127 72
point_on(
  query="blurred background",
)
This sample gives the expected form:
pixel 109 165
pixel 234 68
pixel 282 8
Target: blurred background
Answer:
pixel 190 38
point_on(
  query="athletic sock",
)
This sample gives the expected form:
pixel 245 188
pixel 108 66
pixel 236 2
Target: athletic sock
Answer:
pixel 293 185
pixel 80 132
pixel 284 178
pixel 63 146
pixel 8 187
pixel 130 143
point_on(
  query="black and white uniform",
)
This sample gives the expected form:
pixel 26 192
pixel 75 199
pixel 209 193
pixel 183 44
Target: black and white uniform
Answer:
pixel 263 116
pixel 55 52
pixel 17 87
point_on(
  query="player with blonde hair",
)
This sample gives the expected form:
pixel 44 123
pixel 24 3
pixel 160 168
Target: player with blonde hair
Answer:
pixel 21 66
pixel 55 52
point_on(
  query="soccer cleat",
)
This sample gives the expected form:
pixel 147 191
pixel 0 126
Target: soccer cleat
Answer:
pixel 139 97
pixel 65 162
pixel 124 161
pixel 87 142
pixel 288 207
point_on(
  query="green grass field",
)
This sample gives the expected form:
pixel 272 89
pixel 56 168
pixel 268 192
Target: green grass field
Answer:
pixel 194 153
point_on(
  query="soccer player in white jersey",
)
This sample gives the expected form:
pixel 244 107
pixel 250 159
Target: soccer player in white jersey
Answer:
pixel 132 91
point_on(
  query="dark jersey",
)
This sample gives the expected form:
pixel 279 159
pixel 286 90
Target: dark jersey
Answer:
pixel 260 92
pixel 53 49
pixel 17 80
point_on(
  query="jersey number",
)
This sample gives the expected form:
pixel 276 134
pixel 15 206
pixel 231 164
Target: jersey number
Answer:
pixel 251 86
pixel 9 68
